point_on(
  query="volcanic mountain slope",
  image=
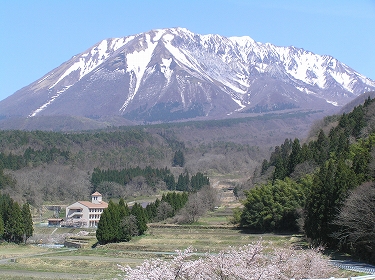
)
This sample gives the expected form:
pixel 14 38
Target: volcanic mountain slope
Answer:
pixel 173 74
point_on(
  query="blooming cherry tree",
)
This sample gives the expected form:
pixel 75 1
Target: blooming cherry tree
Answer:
pixel 252 261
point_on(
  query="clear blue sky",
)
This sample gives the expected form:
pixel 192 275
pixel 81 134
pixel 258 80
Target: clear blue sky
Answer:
pixel 37 36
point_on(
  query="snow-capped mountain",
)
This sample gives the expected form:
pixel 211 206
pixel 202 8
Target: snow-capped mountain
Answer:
pixel 171 74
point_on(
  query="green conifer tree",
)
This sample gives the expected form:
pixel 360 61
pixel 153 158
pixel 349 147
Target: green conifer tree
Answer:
pixel 13 224
pixel 140 215
pixel 1 227
pixel 27 222
pixel 326 195
pixel 123 208
pixel 102 231
pixel 295 156
pixel 113 221
pixel 178 159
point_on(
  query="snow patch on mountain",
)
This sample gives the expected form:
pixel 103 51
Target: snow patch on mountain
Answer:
pixel 177 53
pixel 306 67
pixel 137 63
pixel 87 62
pixel 45 105
pixel 334 103
pixel 344 79
pixel 165 68
pixel 239 103
pixel 46 77
pixel 158 35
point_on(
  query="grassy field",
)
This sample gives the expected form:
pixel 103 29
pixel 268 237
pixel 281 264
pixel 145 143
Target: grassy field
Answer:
pixel 33 262
pixel 212 233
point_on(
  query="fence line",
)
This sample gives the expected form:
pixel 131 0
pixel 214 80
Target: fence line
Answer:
pixel 366 277
pixel 352 266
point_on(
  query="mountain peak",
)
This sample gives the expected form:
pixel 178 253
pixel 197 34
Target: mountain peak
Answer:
pixel 173 73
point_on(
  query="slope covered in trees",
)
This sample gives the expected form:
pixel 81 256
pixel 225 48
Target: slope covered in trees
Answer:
pixel 38 166
pixel 308 185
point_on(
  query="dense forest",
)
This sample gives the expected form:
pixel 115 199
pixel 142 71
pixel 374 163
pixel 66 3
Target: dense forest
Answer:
pixel 152 177
pixel 313 186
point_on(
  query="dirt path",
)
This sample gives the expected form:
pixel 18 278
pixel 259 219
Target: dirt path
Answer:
pixel 5 273
pixel 34 255
pixel 95 258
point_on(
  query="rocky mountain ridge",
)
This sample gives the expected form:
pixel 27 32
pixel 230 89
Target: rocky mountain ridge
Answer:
pixel 173 74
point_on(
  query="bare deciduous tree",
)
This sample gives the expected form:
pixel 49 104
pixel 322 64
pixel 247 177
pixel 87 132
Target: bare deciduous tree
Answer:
pixel 50 182
pixel 129 226
pixel 357 221
pixel 198 204
pixel 164 211
pixel 193 209
pixel 209 197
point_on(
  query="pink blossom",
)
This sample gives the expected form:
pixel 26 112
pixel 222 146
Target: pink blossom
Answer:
pixel 252 261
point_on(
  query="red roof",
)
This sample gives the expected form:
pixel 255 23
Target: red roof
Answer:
pixel 100 204
pixel 96 194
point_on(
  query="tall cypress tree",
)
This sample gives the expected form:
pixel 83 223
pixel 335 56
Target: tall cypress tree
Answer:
pixel 102 232
pixel 321 148
pixel 123 208
pixel 27 222
pixel 13 224
pixel 1 227
pixel 114 221
pixel 280 169
pixel 140 214
pixel 330 188
pixel 178 159
pixel 295 156
pixel 124 233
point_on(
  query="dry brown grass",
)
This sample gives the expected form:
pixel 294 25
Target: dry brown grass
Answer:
pixel 204 239
pixel 12 250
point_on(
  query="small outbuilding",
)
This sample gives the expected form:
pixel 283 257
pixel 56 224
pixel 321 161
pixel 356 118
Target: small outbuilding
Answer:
pixel 55 222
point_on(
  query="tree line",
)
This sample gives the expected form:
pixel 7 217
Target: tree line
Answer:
pixel 152 176
pixel 31 157
pixel 119 222
pixel 311 185
pixel 125 175
pixel 166 207
pixel 16 223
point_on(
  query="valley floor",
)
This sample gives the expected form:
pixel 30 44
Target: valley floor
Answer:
pixel 33 262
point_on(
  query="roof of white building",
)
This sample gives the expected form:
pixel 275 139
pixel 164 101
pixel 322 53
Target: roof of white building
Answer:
pixel 89 204
pixel 96 194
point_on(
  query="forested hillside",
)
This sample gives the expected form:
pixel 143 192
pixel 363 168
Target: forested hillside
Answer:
pixel 41 167
pixel 313 186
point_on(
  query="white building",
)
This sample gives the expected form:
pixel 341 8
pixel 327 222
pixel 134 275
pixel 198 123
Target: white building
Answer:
pixel 85 213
